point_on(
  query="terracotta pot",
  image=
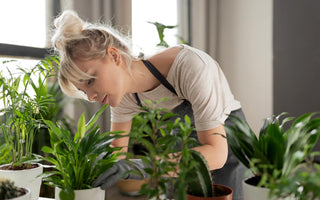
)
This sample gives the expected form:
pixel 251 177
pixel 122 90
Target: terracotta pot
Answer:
pixel 94 194
pixel 223 193
pixel 130 187
pixel 26 178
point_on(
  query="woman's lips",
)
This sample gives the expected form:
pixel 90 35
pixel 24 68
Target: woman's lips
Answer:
pixel 104 100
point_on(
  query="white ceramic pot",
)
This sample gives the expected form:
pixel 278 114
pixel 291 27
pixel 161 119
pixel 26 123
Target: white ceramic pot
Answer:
pixel 251 192
pixel 27 178
pixel 87 194
pixel 26 196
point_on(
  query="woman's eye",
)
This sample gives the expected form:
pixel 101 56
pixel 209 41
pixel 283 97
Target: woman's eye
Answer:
pixel 90 81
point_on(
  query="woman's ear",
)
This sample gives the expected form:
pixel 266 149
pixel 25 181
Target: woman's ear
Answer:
pixel 115 55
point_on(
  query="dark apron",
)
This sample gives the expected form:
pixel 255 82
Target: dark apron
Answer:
pixel 232 173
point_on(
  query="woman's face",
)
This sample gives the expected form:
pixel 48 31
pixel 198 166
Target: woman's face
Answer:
pixel 109 84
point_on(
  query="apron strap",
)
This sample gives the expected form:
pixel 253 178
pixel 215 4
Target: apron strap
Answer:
pixel 137 99
pixel 159 76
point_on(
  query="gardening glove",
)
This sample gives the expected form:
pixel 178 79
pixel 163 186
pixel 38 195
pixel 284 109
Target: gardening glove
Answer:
pixel 120 171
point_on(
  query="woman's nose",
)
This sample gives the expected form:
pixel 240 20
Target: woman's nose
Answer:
pixel 92 96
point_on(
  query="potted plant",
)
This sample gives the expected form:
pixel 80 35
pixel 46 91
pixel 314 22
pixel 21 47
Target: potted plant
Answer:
pixel 9 191
pixel 151 128
pixel 78 158
pixel 201 185
pixel 276 153
pixel 173 170
pixel 18 124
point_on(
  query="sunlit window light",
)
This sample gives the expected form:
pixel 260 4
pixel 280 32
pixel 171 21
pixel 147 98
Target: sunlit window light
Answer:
pixel 144 35
pixel 23 22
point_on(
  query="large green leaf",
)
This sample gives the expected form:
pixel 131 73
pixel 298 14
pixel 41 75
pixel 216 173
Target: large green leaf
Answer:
pixel 202 184
pixel 81 128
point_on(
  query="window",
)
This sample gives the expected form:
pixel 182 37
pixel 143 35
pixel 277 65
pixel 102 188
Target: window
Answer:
pixel 24 27
pixel 23 35
pixel 144 35
pixel 23 22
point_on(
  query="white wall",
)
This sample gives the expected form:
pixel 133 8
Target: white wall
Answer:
pixel 245 54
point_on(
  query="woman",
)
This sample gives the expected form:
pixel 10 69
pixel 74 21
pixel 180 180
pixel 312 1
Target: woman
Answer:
pixel 97 61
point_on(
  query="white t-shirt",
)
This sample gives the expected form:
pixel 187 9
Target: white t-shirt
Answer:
pixel 197 78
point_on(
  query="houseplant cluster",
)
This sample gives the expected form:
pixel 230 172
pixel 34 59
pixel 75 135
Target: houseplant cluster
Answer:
pixel 279 157
pixel 25 100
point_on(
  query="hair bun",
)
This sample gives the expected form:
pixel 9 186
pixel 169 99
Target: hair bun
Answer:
pixel 67 25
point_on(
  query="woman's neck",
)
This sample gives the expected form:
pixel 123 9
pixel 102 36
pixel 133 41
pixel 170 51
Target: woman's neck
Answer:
pixel 143 79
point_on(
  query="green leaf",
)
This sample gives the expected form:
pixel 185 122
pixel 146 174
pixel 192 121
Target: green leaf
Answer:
pixel 202 181
pixel 81 128
pixel 46 149
pixel 95 117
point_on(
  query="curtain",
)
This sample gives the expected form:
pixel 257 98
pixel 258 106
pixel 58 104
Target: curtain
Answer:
pixel 203 25
pixel 238 34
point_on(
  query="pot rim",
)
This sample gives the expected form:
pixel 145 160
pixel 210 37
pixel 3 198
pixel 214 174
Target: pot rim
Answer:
pixel 245 182
pixel 221 186
pixel 20 170
pixel 95 188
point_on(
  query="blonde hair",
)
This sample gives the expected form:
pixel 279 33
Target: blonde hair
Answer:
pixel 75 39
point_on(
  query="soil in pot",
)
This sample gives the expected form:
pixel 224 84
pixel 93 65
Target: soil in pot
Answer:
pixel 221 192
pixel 19 167
pixel 253 180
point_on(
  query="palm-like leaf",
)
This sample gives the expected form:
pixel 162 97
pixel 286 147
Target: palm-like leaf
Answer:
pixel 76 159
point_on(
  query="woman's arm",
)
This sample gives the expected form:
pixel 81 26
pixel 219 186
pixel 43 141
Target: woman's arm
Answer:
pixel 214 147
pixel 124 141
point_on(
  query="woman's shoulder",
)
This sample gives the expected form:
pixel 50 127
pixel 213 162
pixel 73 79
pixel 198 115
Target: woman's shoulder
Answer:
pixel 191 60
pixel 164 59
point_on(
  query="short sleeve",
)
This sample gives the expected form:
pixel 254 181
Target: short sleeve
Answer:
pixel 200 80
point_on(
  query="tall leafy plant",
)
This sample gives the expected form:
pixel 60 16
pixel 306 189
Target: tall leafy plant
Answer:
pixel 47 85
pixel 20 108
pixel 276 153
pixel 78 158
pixel 171 163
